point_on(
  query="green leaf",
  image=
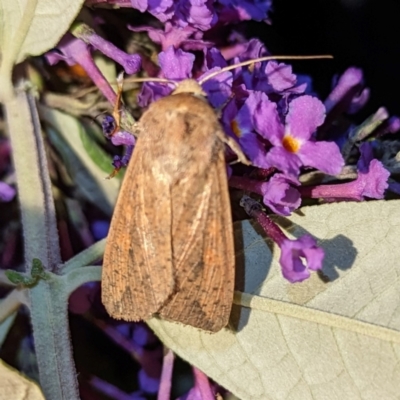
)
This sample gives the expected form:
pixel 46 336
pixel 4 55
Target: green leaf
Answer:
pixel 95 152
pixel 38 271
pixel 16 278
pixel 30 28
pixel 87 175
pixel 13 385
pixel 331 338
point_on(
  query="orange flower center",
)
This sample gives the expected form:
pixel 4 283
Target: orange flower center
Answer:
pixel 291 144
pixel 235 128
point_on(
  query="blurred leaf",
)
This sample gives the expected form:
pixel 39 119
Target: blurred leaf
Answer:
pixel 96 153
pixel 335 336
pixel 107 68
pixel 15 386
pixel 88 176
pixel 5 326
pixel 30 28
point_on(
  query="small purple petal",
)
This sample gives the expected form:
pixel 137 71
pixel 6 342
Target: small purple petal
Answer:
pixel 161 9
pixel 214 58
pixel 75 51
pixel 140 5
pixel 100 229
pixel 324 156
pixel 176 64
pixel 108 125
pixel 265 117
pixel 166 377
pixel 305 114
pixel 130 62
pixel 280 76
pixel 280 196
pixel 299 256
pixel 7 192
pixel 366 156
pixel 358 102
pixel 152 91
pixel 283 160
pixel 347 86
pixel 218 89
pixel 170 36
pixel 69 49
pixel 246 9
pixel 373 176
pixel 254 149
pixel 375 181
pixel 255 49
pixel 122 138
pixel 198 13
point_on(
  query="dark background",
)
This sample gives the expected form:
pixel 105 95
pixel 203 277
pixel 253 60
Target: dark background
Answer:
pixel 361 33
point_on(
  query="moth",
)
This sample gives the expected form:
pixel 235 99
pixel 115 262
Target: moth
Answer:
pixel 170 249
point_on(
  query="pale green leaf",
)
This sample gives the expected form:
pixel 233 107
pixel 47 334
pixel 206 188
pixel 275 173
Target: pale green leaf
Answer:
pixel 30 27
pixel 89 177
pixel 335 336
pixel 15 386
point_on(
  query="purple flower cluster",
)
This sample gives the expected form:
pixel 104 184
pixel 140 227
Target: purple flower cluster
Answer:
pixel 284 131
pixel 202 15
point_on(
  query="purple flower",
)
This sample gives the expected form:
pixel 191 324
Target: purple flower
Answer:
pixel 300 256
pixel 75 51
pixel 242 10
pixel 176 64
pixel 7 192
pixel 130 62
pixel 170 36
pixel 219 88
pixel 239 124
pixel 123 138
pixel 346 94
pixel 280 195
pixel 198 13
pixel 372 175
pixel 152 91
pixel 118 138
pixel 161 9
pixel 372 181
pixel 280 77
pixel 108 125
pixel 292 144
pixel 272 77
pixel 392 125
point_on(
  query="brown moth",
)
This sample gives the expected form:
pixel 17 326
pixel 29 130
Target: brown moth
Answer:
pixel 170 246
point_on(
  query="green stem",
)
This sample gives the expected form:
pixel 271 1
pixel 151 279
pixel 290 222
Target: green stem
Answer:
pixel 49 314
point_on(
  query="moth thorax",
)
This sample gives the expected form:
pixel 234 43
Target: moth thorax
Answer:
pixel 189 86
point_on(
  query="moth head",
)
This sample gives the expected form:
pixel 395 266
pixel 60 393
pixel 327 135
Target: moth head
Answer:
pixel 190 86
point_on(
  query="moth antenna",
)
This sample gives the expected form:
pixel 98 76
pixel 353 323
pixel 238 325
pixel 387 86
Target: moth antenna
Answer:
pixel 116 111
pixel 266 58
pixel 160 80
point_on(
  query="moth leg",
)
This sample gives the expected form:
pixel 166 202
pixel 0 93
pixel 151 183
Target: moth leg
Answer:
pixel 234 146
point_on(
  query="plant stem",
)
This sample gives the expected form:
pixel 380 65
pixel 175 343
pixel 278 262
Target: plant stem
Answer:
pixel 49 300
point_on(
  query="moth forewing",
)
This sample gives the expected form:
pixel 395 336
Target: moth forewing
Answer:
pixel 170 246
